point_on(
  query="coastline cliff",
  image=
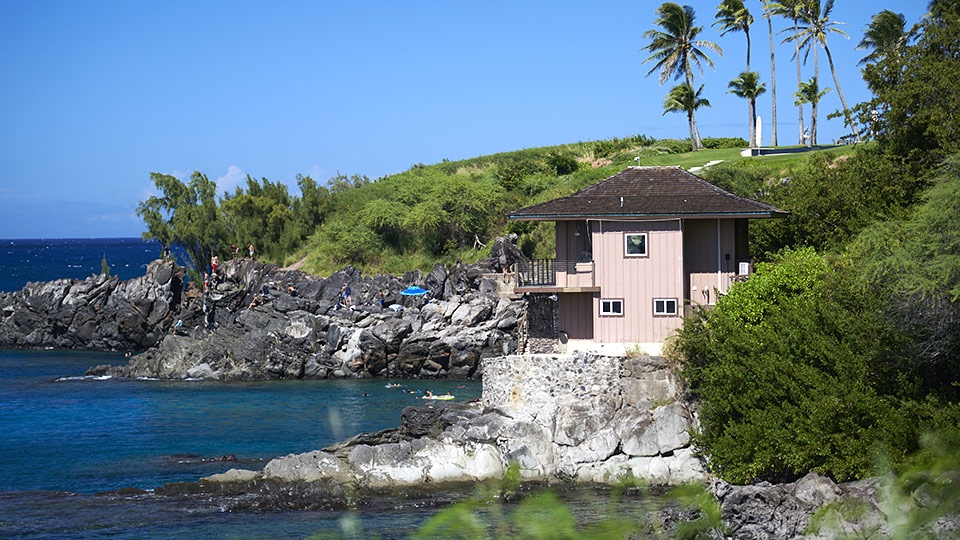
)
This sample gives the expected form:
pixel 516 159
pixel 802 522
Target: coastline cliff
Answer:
pixel 261 322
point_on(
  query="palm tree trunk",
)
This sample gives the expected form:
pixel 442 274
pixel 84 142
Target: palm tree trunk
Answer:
pixel 816 101
pixel 846 110
pixel 747 33
pixel 754 142
pixel 694 136
pixel 694 132
pixel 773 87
pixel 796 53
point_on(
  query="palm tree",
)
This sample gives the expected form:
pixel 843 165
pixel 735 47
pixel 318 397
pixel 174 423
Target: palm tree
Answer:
pixel 748 86
pixel 676 49
pixel 768 15
pixel 886 37
pixel 939 8
pixel 808 92
pixel 815 24
pixel 682 98
pixel 733 16
pixel 791 9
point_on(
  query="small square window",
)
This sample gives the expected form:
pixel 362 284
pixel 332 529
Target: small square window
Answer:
pixel 635 244
pixel 664 306
pixel 613 308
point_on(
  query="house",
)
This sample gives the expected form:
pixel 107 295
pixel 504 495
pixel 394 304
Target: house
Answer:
pixel 635 252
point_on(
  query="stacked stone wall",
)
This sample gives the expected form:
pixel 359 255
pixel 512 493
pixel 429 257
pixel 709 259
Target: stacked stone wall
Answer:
pixel 592 417
pixel 543 325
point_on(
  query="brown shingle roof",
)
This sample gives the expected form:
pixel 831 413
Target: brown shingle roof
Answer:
pixel 648 193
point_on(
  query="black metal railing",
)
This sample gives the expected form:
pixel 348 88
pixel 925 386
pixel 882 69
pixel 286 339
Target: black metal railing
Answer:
pixel 539 272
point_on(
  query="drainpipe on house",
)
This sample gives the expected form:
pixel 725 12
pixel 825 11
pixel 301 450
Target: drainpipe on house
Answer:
pixel 719 263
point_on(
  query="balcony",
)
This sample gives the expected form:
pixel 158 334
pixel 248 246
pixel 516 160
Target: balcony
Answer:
pixel 552 275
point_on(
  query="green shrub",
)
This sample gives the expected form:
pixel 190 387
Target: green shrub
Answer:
pixel 725 142
pixel 783 367
pixel 674 146
pixel 563 164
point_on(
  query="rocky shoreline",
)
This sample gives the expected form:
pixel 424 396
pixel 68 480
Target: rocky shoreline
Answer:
pixel 629 426
pixel 261 322
pixel 565 421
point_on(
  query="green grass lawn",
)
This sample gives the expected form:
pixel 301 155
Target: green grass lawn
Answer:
pixel 689 160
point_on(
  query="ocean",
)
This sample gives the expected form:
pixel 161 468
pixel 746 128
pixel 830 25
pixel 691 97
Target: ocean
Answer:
pixel 65 438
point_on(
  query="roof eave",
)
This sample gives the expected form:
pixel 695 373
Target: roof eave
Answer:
pixel 643 217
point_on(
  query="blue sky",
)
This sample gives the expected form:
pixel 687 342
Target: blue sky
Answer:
pixel 97 94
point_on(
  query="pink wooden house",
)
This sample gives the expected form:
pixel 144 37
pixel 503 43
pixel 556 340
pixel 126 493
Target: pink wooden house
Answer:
pixel 635 251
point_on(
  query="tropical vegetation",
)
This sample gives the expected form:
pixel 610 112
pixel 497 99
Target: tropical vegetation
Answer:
pixel 843 345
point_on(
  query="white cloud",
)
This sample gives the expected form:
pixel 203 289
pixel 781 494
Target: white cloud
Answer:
pixel 234 177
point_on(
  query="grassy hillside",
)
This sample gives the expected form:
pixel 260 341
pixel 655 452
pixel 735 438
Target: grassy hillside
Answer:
pixel 438 213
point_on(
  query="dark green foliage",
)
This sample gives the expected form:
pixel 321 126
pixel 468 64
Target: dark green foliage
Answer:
pixel 607 148
pixel 747 178
pixel 262 215
pixel 185 214
pixel 511 172
pixel 725 142
pixel 831 199
pixel 786 368
pixel 563 164
pixel 913 113
pixel 914 266
pixel 674 146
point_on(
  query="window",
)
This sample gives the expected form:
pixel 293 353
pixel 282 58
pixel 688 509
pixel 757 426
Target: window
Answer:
pixel 611 308
pixel 664 306
pixel 635 244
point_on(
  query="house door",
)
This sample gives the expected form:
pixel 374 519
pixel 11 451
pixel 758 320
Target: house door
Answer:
pixel 576 315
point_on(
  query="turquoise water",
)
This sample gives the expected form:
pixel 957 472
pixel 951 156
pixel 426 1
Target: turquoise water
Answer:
pixel 64 438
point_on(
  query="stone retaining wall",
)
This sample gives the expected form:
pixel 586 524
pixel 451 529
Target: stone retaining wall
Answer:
pixel 592 417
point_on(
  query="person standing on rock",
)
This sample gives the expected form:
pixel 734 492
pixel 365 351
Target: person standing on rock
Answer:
pixel 250 248
pixel 344 300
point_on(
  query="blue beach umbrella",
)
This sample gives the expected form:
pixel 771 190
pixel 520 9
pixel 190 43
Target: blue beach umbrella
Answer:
pixel 413 290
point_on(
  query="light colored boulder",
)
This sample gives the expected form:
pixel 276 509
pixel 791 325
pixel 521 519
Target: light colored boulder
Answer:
pixel 597 447
pixel 202 371
pixel 307 467
pixel 232 476
pixel 672 427
pixel 685 467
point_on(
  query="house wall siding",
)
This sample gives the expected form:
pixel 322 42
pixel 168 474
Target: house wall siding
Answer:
pixel 710 259
pixel 638 280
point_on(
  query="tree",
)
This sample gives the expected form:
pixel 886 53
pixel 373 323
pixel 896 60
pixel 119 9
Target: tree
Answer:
pixel 682 98
pixel 186 214
pixel 748 86
pixel 676 50
pixel 885 37
pixel 809 92
pixel 264 215
pixel 914 112
pixel 815 25
pixel 768 15
pixel 791 9
pixel 732 16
